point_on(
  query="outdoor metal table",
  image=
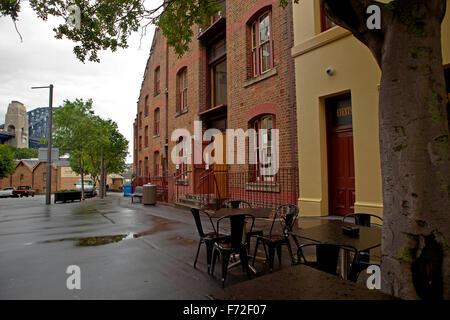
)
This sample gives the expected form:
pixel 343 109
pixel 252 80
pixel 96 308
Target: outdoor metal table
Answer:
pixel 258 213
pixel 299 283
pixel 331 232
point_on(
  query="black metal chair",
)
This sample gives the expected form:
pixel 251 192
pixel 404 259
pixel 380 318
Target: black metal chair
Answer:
pixel 207 238
pixel 234 245
pixel 327 256
pixel 362 219
pixel 244 204
pixel 287 215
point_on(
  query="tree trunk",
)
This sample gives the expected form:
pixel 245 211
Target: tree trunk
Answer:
pixel 82 179
pixel 414 161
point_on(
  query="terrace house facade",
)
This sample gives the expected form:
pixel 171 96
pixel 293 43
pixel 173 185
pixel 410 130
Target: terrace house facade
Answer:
pixel 237 74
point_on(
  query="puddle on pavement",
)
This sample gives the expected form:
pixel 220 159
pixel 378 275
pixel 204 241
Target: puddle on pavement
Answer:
pixel 163 225
pixel 95 241
pixel 159 224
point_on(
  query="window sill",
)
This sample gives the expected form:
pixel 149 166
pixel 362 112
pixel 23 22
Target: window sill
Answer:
pixel 179 113
pixel 260 77
pixel 156 93
pixel 262 186
pixel 156 136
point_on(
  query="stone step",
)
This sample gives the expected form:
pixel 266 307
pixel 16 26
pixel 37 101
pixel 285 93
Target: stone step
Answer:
pixel 180 205
pixel 191 202
pixel 195 202
pixel 198 196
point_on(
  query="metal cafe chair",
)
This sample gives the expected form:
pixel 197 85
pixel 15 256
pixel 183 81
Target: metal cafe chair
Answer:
pixel 207 238
pixel 327 256
pixel 287 215
pixel 244 204
pixel 363 219
pixel 234 245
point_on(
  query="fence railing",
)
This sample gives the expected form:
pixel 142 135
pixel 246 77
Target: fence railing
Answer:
pixel 161 186
pixel 215 187
pixel 182 184
pixel 264 191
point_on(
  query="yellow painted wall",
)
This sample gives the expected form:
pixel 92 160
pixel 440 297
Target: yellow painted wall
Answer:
pixel 355 71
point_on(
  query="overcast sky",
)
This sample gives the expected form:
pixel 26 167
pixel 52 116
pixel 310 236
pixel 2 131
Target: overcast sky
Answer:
pixel 40 60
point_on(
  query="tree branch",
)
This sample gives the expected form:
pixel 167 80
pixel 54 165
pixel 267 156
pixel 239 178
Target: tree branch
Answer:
pixel 351 15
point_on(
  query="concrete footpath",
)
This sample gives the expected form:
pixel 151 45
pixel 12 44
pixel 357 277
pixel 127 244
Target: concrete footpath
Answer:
pixel 123 250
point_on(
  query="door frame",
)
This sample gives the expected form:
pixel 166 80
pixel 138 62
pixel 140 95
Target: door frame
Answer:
pixel 328 129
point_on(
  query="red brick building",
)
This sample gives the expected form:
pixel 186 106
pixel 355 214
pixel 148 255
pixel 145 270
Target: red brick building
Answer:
pixel 238 74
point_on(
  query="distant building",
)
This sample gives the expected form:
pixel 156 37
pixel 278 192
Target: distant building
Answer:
pixel 24 129
pixel 33 173
pixel 38 123
pixel 15 129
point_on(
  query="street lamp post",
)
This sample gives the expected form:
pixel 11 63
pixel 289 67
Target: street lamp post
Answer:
pixel 48 184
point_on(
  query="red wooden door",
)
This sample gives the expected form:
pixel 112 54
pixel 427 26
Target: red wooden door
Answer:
pixel 199 170
pixel 341 169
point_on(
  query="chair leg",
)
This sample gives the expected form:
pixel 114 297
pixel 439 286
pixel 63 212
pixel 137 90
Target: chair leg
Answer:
pixel 271 257
pixel 209 248
pixel 256 251
pixel 265 250
pixel 198 251
pixel 226 260
pixel 215 254
pixel 279 247
pixel 290 252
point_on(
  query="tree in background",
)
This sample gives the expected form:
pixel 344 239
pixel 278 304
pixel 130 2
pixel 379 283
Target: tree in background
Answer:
pixel 87 137
pixel 110 145
pixel 7 163
pixel 22 153
pixel 71 133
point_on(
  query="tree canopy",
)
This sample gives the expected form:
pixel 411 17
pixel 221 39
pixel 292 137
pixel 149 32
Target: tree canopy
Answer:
pixel 22 153
pixel 86 137
pixel 108 24
pixel 7 163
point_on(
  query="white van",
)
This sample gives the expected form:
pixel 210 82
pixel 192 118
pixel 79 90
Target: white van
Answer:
pixel 89 187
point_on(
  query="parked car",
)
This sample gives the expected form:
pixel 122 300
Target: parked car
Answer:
pixel 89 187
pixel 7 192
pixel 23 191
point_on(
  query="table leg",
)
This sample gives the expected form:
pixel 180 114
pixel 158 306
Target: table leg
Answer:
pixel 239 262
pixel 345 259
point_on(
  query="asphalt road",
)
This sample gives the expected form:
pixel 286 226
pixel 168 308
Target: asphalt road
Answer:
pixel 123 250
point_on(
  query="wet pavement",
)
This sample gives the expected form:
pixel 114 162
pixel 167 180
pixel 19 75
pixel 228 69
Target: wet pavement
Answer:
pixel 124 251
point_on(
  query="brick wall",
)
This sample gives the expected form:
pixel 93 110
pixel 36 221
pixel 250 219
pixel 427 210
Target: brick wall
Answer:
pixel 23 176
pixel 247 97
pixel 40 178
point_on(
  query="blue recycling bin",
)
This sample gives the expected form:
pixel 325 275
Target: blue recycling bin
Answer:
pixel 127 190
